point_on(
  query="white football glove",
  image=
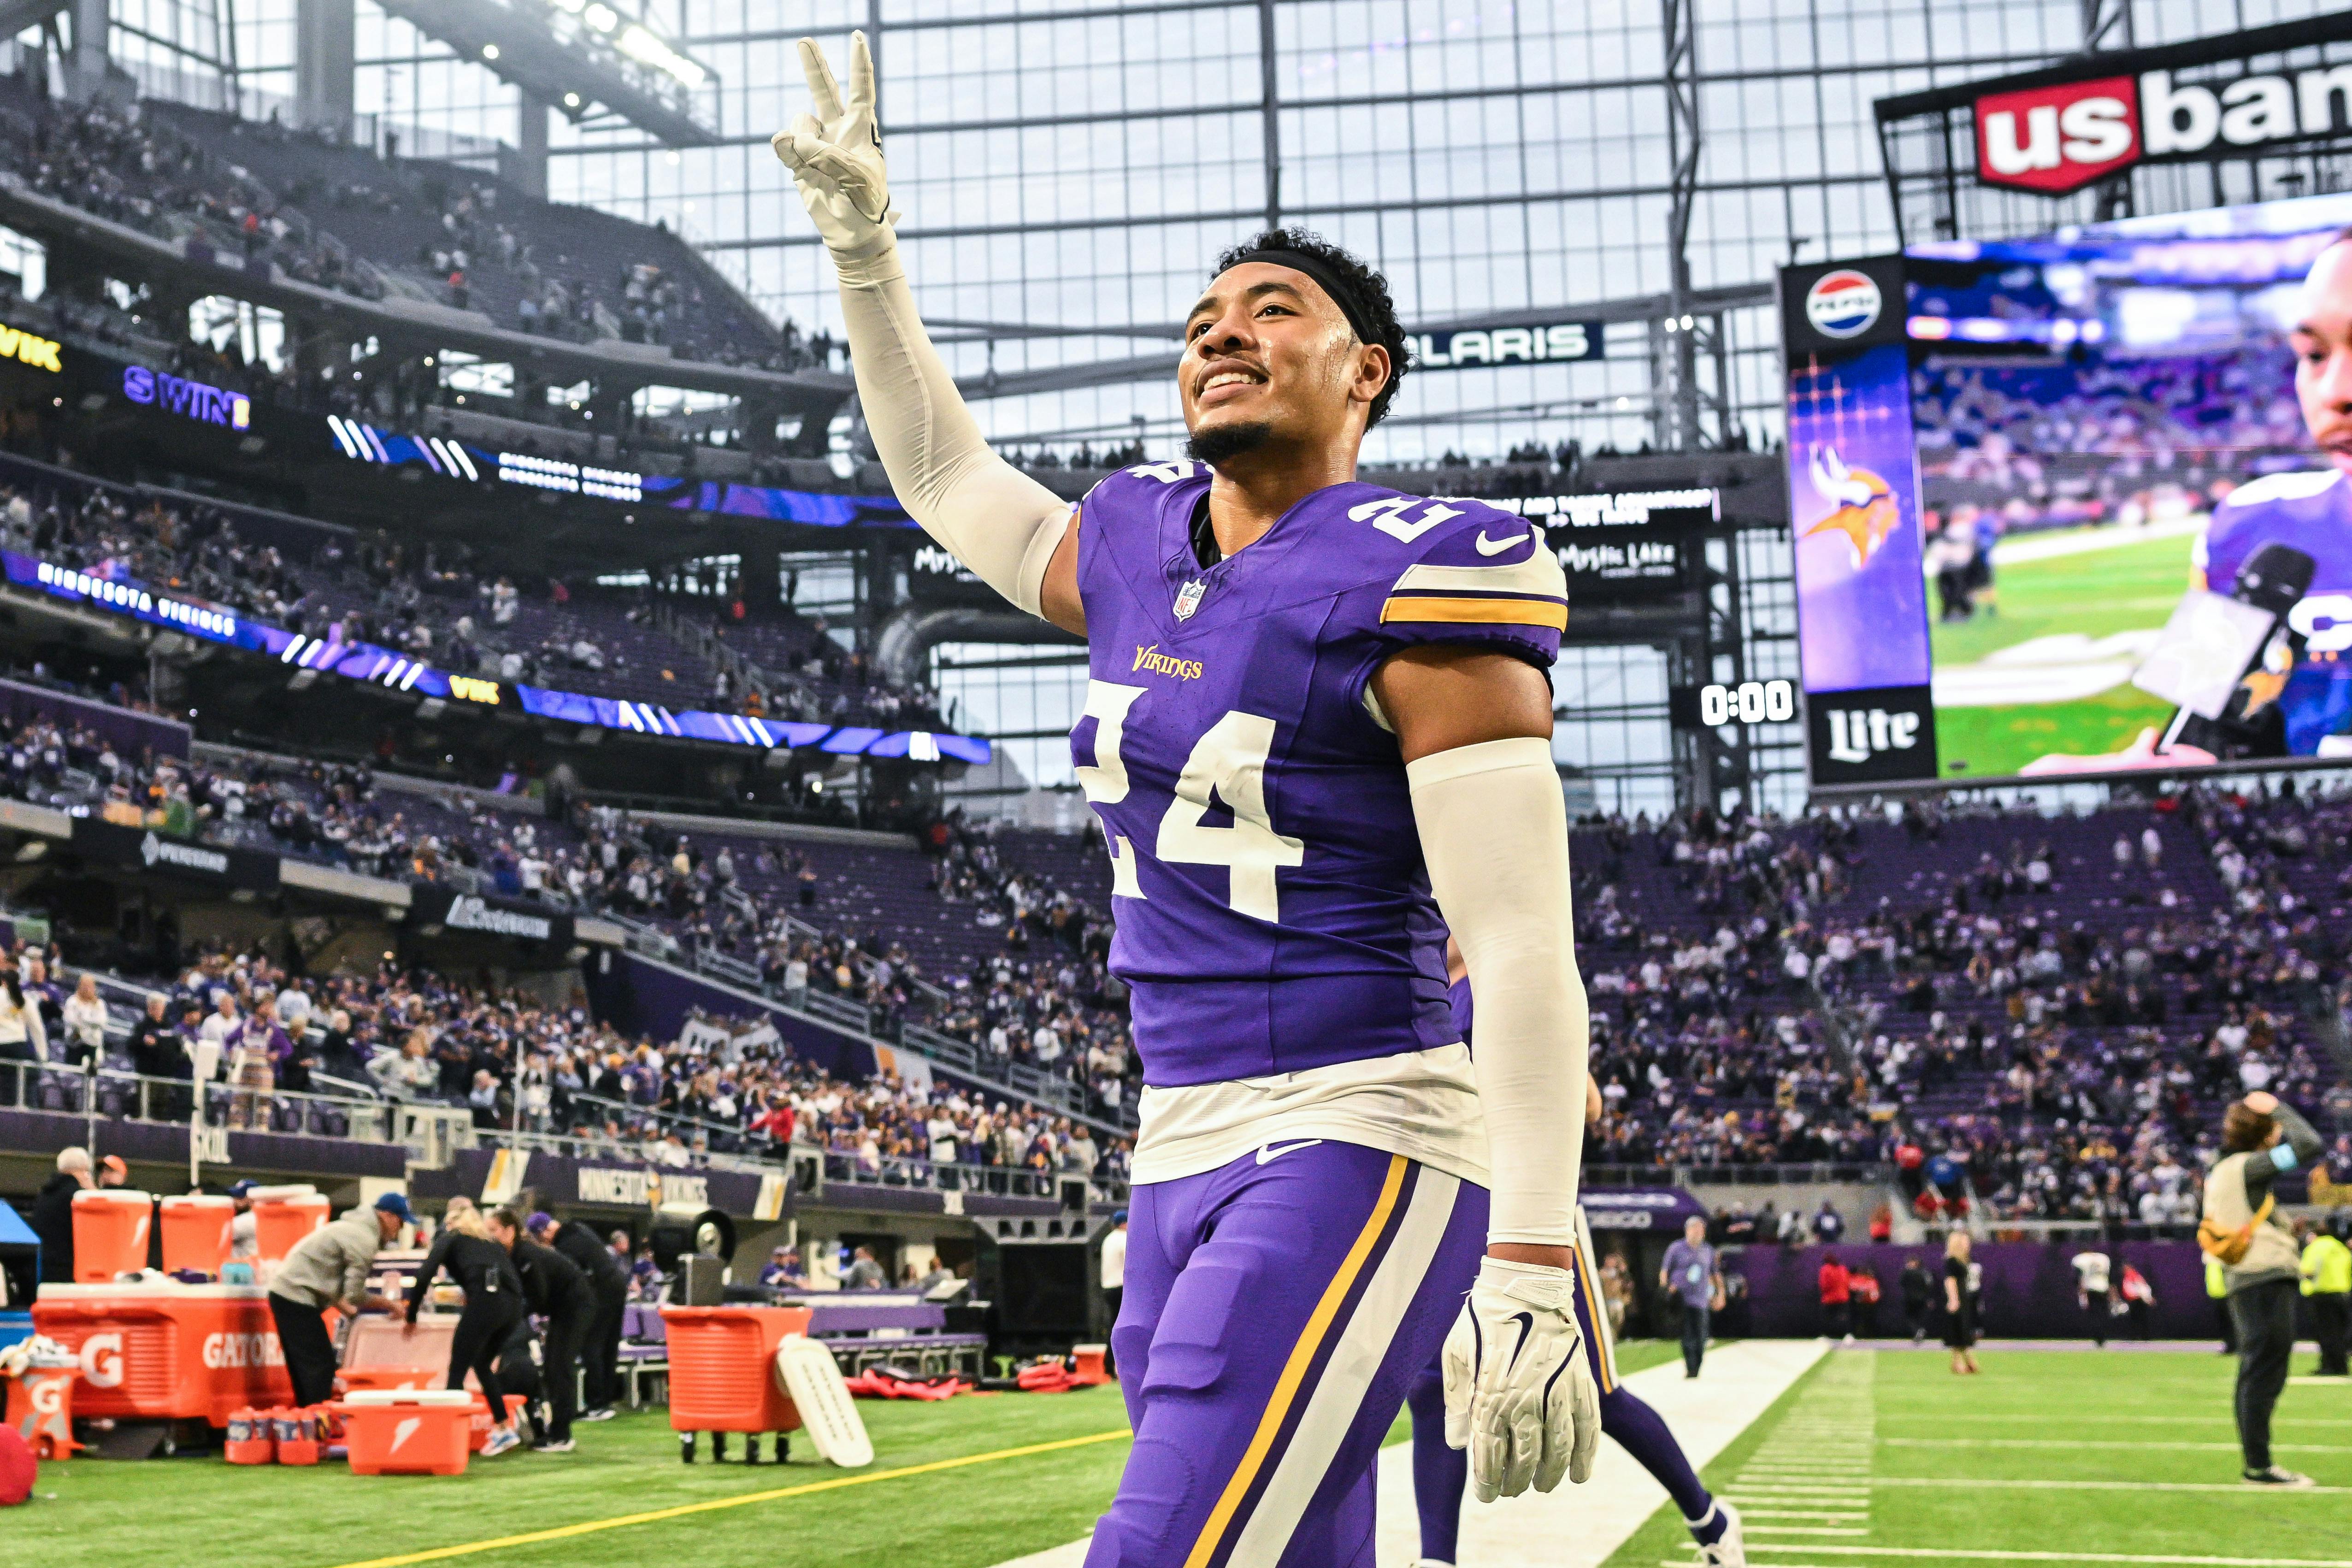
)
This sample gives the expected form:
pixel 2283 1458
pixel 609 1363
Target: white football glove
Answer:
pixel 1519 1394
pixel 835 156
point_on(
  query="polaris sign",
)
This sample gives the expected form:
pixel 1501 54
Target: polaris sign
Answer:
pixel 1505 345
pixel 2059 138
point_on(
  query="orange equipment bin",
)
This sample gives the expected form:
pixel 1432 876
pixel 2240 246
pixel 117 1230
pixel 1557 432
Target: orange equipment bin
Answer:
pixel 167 1351
pixel 195 1232
pixel 722 1375
pixel 284 1215
pixel 407 1432
pixel 110 1227
pixel 40 1406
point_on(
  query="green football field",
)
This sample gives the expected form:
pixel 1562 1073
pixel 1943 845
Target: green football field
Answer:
pixel 2094 594
pixel 1884 1458
pixel 1872 1461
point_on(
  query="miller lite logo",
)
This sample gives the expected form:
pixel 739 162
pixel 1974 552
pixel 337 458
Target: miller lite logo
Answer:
pixel 2057 138
pixel 1857 734
pixel 1844 303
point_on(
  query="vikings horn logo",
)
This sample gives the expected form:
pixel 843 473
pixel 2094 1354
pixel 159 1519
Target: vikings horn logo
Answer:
pixel 1865 512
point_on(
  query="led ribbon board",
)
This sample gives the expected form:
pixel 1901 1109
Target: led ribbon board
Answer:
pixel 120 594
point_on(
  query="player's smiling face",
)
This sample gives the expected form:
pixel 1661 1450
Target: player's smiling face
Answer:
pixel 1266 348
pixel 2323 354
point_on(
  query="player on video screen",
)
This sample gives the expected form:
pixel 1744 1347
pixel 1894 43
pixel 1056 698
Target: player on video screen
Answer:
pixel 1317 717
pixel 2299 702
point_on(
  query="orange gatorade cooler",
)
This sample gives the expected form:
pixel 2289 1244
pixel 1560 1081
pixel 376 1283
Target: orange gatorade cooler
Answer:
pixel 167 1351
pixel 110 1234
pixel 284 1215
pixel 721 1367
pixel 195 1232
pixel 40 1405
pixel 407 1432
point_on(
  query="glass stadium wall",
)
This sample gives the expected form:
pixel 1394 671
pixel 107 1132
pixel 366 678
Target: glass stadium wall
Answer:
pixel 1067 171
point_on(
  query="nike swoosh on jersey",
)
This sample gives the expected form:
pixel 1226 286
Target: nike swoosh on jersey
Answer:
pixel 1277 1150
pixel 1496 546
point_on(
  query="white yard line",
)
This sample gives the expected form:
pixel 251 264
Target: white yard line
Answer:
pixel 1975 1484
pixel 1580 1527
pixel 1947 1553
pixel 2017 552
pixel 2099 1443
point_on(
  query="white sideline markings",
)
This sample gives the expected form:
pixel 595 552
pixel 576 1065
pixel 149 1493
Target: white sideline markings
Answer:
pixel 1976 1485
pixel 1580 1527
pixel 2099 1443
pixel 1948 1552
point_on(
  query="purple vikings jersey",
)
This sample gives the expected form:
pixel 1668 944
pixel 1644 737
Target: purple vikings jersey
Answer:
pixel 2313 513
pixel 1273 910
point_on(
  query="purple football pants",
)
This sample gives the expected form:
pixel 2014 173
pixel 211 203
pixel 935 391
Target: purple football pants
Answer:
pixel 1276 1310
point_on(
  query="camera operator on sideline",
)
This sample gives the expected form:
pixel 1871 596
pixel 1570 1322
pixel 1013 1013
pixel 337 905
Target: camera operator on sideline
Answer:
pixel 2261 1140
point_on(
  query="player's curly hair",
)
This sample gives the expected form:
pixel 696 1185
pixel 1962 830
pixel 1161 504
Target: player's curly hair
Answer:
pixel 1371 291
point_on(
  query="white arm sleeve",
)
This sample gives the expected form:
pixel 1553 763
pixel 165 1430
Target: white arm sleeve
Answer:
pixel 985 512
pixel 1494 831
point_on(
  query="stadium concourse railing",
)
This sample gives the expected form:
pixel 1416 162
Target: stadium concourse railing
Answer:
pixel 433 1134
pixel 1796 1174
pixel 961 1057
pixel 720 1146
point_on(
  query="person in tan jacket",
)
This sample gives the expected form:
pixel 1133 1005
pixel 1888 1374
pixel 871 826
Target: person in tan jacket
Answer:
pixel 2262 1140
pixel 329 1267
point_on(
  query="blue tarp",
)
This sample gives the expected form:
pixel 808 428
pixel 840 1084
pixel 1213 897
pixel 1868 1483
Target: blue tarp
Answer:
pixel 14 1230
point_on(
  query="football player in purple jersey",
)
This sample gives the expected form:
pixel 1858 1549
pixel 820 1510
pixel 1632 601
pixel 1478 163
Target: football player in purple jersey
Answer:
pixel 1318 734
pixel 2299 702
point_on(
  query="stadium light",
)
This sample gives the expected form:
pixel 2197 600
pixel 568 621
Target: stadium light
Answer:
pixel 584 55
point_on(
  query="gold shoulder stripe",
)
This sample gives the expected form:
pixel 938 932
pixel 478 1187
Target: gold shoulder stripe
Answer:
pixel 1486 612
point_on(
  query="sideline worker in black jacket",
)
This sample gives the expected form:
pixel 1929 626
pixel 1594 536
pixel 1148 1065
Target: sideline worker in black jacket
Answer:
pixel 559 1292
pixel 52 1218
pixel 599 1348
pixel 494 1305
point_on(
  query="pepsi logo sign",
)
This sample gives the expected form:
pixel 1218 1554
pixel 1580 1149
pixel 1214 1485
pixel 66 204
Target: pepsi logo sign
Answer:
pixel 1843 304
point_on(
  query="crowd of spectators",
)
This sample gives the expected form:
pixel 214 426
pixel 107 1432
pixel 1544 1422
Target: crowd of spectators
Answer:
pixel 2091 440
pixel 519 1058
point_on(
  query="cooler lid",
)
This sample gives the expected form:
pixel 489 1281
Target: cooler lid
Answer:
pixel 377 1399
pixel 199 1200
pixel 298 1192
pixel 113 1195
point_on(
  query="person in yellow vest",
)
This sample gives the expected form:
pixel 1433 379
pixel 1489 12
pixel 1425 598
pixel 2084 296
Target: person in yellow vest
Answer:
pixel 2262 1140
pixel 2327 1285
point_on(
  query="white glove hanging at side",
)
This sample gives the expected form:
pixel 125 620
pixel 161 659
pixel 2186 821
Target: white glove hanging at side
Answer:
pixel 1518 1393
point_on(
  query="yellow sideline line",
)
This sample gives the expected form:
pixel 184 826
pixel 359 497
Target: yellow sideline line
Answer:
pixel 655 1516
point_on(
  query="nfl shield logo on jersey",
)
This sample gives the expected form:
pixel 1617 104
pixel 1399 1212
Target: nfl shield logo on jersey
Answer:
pixel 1188 598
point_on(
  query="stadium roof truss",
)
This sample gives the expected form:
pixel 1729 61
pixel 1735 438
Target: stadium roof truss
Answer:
pixel 592 64
pixel 1928 141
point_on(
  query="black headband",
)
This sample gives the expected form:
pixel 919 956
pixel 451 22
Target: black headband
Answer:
pixel 1343 293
